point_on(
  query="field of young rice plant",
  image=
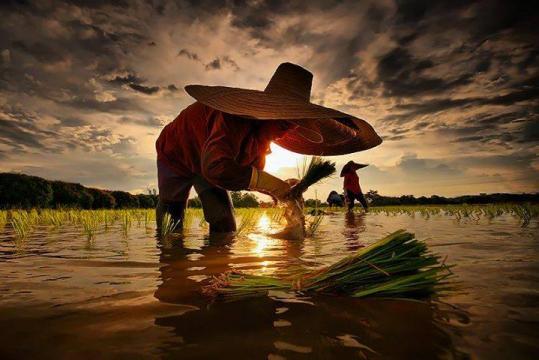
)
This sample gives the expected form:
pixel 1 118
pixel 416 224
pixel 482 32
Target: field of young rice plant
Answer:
pixel 92 222
pixel 108 276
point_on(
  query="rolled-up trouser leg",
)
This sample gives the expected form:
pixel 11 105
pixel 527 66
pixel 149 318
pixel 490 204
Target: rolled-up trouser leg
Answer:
pixel 173 194
pixel 218 210
pixel 363 201
pixel 350 197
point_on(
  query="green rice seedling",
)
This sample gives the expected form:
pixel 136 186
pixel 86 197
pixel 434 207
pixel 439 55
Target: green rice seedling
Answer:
pixel 54 218
pixel 249 219
pixel 187 222
pixel 313 224
pixel 275 215
pixel 203 223
pixel 3 219
pixel 149 217
pixel 524 213
pixel 396 266
pixel 90 224
pixel 126 221
pixel 168 226
pixel 21 223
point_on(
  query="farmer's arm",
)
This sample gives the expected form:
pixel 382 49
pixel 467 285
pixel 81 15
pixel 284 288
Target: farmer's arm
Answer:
pixel 218 158
pixel 219 165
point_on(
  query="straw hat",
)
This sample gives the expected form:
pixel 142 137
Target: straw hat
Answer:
pixel 352 166
pixel 321 130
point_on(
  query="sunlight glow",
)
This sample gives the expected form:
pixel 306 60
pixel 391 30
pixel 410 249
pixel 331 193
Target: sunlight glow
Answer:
pixel 261 242
pixel 281 158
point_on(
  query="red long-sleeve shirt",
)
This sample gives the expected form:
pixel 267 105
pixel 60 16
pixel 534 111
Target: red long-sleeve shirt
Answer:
pixel 351 182
pixel 220 147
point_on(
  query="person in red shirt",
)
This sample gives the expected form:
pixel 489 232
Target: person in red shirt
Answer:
pixel 220 142
pixel 351 185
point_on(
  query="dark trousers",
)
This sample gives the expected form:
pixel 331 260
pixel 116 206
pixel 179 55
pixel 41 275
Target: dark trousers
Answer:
pixel 174 193
pixel 351 196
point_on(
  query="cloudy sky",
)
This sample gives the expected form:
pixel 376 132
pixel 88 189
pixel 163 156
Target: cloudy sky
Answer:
pixel 451 86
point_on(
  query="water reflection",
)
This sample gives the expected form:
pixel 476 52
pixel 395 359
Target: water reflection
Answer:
pixel 354 225
pixel 126 296
pixel 276 327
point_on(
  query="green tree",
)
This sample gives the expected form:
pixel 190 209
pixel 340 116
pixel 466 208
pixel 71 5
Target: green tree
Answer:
pixel 71 195
pixel 23 191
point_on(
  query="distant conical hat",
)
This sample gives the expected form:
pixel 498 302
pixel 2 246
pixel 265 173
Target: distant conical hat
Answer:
pixel 351 166
pixel 322 131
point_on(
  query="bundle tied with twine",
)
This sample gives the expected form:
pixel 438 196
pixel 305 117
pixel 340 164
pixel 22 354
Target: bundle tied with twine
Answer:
pixel 398 265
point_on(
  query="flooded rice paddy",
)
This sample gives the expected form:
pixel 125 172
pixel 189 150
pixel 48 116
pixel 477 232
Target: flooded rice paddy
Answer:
pixel 119 292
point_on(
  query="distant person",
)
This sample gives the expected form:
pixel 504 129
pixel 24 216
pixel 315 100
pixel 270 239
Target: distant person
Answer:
pixel 351 186
pixel 335 199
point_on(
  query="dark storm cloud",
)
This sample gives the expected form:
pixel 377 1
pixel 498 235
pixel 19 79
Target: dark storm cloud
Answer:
pixel 138 84
pixel 219 62
pixel 402 75
pixel 148 90
pixel 189 54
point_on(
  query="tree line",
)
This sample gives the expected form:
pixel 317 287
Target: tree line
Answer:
pixel 376 199
pixel 25 191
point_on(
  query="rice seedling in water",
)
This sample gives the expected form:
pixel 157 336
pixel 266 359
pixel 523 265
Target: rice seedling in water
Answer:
pixel 524 212
pixel 126 220
pixel 90 225
pixel 249 219
pixel 168 226
pixel 395 266
pixel 314 223
pixel 3 219
pixel 149 217
pixel 276 215
pixel 21 223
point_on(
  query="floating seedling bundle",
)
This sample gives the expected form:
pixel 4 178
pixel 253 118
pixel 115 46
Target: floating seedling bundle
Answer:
pixel 398 265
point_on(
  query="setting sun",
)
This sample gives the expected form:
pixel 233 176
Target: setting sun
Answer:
pixel 281 158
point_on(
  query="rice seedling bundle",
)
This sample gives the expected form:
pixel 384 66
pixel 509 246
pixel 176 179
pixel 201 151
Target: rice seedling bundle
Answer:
pixel 396 266
pixel 317 170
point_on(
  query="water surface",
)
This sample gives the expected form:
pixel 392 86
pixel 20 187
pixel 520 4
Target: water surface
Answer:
pixel 64 296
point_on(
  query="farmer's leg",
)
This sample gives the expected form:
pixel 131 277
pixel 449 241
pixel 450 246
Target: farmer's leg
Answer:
pixel 173 194
pixel 217 206
pixel 363 201
pixel 350 199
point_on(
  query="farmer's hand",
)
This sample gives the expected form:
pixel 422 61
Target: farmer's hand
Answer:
pixel 268 184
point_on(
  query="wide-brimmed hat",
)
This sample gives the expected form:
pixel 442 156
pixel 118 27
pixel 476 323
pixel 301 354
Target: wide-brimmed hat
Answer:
pixel 321 130
pixel 351 166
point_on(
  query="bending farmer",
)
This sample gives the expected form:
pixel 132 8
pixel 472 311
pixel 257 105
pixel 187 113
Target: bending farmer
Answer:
pixel 220 142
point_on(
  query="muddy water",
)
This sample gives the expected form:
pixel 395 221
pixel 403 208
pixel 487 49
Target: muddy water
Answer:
pixel 62 296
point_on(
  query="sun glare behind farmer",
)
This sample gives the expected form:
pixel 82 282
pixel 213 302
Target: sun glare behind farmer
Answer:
pixel 280 158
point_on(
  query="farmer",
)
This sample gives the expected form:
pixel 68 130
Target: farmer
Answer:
pixel 351 185
pixel 334 198
pixel 220 142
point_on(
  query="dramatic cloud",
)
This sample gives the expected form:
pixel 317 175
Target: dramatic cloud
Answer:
pixel 452 86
